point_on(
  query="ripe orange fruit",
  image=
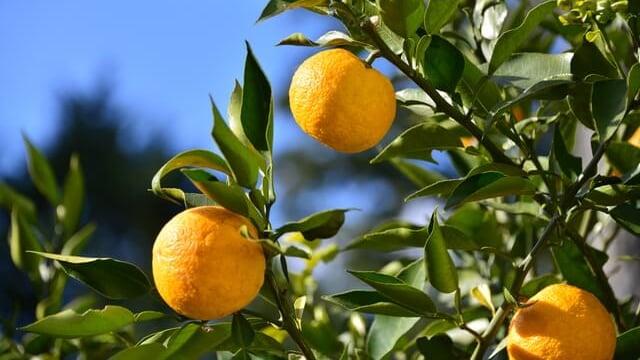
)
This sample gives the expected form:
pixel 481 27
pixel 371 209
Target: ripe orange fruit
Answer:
pixel 563 322
pixel 341 101
pixel 635 138
pixel 203 266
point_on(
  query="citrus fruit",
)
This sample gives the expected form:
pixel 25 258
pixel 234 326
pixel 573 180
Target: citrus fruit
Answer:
pixel 341 101
pixel 635 138
pixel 562 322
pixel 203 266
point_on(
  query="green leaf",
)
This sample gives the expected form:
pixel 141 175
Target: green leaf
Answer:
pixel 443 274
pixel 369 302
pixel 149 315
pixel 41 173
pixel 241 331
pixel 418 141
pixel 571 166
pixel 257 105
pixel 78 241
pixel 608 104
pixel 193 340
pixel 438 13
pixel 189 158
pixel 476 90
pixel 633 82
pixel 623 156
pixel 478 224
pixel 385 333
pixel 113 279
pixel 275 7
pixel 10 199
pixel 230 196
pixel 589 60
pixel 511 40
pixel 243 162
pixel 417 174
pixel 442 188
pixel 144 351
pixel 321 225
pixel 330 38
pixel 439 347
pixel 404 17
pixel 397 291
pixel 443 64
pixel 489 185
pixel 531 287
pixel 524 70
pixel 613 194
pixel 234 113
pixel 69 324
pixel 628 216
pixel 575 269
pixel 22 239
pixel 72 197
pixel 628 344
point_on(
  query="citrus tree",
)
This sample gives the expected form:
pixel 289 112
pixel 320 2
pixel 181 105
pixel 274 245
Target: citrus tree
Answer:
pixel 513 258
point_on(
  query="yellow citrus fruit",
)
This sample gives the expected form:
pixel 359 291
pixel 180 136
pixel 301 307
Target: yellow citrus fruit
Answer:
pixel 635 138
pixel 562 322
pixel 341 101
pixel 203 266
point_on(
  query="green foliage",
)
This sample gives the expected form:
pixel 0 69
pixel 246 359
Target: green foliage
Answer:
pixel 522 207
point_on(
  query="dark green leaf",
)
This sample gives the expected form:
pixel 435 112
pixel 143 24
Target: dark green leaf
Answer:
pixel 608 104
pixel 78 241
pixel 439 347
pixel 22 238
pixel 524 70
pixel 230 196
pixel 369 302
pixel 144 351
pixel 113 279
pixel 531 287
pixel 614 194
pixel 403 236
pixel 243 162
pixel 443 274
pixel 628 344
pixel 489 185
pixel 478 224
pixel 588 60
pixel 442 188
pixel 552 88
pixel 623 156
pixel 193 340
pixel 570 165
pixel 72 197
pixel 403 17
pixel 275 7
pixel 476 89
pixel 69 324
pixel 512 39
pixel 580 104
pixel 443 64
pixel 41 173
pixel 321 225
pixel 628 216
pixel 418 141
pixel 397 291
pixel 241 330
pixel 11 199
pixel 257 105
pixel 633 82
pixel 438 13
pixel 189 158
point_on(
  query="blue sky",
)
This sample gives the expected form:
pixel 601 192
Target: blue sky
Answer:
pixel 163 59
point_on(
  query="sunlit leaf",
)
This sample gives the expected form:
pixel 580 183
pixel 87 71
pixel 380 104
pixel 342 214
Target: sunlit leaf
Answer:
pixel 489 185
pixel 144 351
pixel 230 196
pixel 321 225
pixel 22 239
pixel 397 291
pixel 524 70
pixel 438 13
pixel 418 141
pixel 403 17
pixel 257 104
pixel 41 173
pixel 275 7
pixel 369 302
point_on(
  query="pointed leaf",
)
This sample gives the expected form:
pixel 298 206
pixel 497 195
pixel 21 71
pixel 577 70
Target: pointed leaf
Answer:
pixel 243 163
pixel 613 195
pixel 443 64
pixel 386 332
pixel 442 188
pixel 241 331
pixel 189 158
pixel 628 344
pixel 230 196
pixel 72 197
pixel 589 60
pixel 193 340
pixel 275 7
pixel 234 114
pixel 489 185
pixel 257 104
pixel 330 38
pixel 524 70
pixel 144 351
pixel 443 274
pixel 633 82
pixel 608 104
pixel 69 324
pixel 623 156
pixel 22 239
pixel 556 87
pixel 403 17
pixel 321 225
pixel 78 241
pixel 10 199
pixel 438 13
pixel 418 141
pixel 404 236
pixel 113 279
pixel 628 216
pixel 397 291
pixel 512 39
pixel 41 173
pixel 571 166
pixel 369 302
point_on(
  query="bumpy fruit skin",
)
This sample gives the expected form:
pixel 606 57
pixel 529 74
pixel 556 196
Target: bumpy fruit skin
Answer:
pixel 341 102
pixel 563 322
pixel 203 267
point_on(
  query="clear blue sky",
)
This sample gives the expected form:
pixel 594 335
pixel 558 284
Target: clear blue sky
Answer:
pixel 162 58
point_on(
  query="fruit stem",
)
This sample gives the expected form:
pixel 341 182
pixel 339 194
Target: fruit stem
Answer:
pixel 289 322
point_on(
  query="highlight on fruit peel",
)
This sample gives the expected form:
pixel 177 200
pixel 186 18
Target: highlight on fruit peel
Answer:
pixel 341 101
pixel 562 322
pixel 203 267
